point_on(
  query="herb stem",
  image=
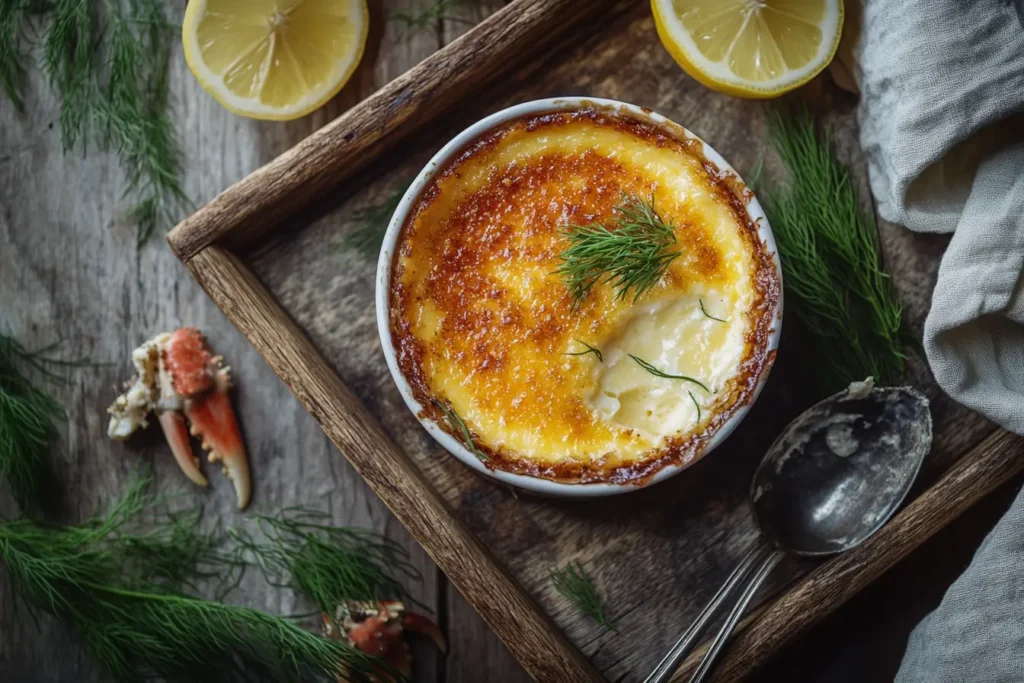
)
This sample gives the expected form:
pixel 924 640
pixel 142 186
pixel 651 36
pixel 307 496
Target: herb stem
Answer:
pixel 661 373
pixel 589 349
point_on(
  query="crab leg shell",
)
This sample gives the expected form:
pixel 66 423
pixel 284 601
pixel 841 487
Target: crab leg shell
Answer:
pixel 421 624
pixel 213 421
pixel 176 432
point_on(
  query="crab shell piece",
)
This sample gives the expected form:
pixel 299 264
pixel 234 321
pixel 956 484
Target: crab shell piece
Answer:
pixel 202 381
pixel 376 628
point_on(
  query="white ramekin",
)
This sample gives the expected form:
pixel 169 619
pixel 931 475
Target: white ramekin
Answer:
pixel 452 445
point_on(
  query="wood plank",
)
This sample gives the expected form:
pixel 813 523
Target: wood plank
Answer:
pixel 506 607
pixel 340 149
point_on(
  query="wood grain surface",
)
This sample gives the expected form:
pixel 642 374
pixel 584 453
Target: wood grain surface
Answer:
pixel 69 270
pixel 660 553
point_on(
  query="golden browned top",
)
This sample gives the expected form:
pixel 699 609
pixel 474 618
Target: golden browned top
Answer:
pixel 480 321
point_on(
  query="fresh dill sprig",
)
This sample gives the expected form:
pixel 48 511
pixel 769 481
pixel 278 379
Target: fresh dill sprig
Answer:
pixel 459 426
pixel 831 260
pixel 589 349
pixel 120 591
pixel 631 253
pixel 328 564
pixel 108 61
pixel 573 583
pixel 708 315
pixel 29 417
pixel 372 222
pixel 429 16
pixel 132 114
pixel 16 17
pixel 661 373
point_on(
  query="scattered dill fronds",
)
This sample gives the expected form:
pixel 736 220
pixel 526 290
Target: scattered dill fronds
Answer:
pixel 831 260
pixel 631 253
pixel 661 373
pixel 15 19
pixel 71 62
pixel 109 64
pixel 429 16
pixel 708 315
pixel 328 564
pixel 28 422
pixel 589 349
pixel 372 222
pixel 120 592
pixel 695 404
pixel 573 583
pixel 753 181
pixel 132 114
pixel 459 426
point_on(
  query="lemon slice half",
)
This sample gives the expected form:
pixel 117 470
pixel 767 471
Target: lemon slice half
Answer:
pixel 750 48
pixel 274 59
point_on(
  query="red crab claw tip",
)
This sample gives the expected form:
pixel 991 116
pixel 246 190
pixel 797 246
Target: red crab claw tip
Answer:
pixel 421 624
pixel 213 421
pixel 176 433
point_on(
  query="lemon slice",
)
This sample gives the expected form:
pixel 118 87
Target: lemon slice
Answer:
pixel 750 48
pixel 274 59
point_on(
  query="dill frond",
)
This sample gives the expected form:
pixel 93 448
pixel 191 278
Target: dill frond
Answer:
pixel 120 592
pixel 132 114
pixel 695 405
pixel 589 349
pixel 460 428
pixel 372 222
pixel 430 16
pixel 573 583
pixel 661 373
pixel 15 19
pixel 29 417
pixel 328 564
pixel 110 68
pixel 630 254
pixel 708 315
pixel 831 260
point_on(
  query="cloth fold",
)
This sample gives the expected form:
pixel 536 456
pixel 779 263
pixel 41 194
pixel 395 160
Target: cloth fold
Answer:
pixel 942 128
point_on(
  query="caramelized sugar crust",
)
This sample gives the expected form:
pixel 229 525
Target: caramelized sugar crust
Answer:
pixel 479 319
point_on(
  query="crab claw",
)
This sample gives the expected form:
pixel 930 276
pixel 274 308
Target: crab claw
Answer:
pixel 421 624
pixel 201 379
pixel 213 420
pixel 176 433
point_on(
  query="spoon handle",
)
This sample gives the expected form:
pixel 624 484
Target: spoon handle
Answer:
pixel 706 664
pixel 667 666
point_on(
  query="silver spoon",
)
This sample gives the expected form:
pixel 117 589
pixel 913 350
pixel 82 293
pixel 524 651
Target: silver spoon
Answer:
pixel 832 479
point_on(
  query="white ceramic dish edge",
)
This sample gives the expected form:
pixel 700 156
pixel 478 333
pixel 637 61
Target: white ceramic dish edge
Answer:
pixel 537 485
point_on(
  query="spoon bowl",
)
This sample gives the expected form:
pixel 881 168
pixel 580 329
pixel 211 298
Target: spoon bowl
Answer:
pixel 834 477
pixel 840 470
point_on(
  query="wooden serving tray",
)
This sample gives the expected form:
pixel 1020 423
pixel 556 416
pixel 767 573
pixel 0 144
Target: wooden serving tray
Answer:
pixel 268 252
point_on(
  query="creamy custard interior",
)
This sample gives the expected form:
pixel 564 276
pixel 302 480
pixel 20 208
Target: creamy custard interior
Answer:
pixel 482 323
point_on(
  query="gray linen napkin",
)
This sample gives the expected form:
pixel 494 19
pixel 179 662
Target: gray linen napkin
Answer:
pixel 942 96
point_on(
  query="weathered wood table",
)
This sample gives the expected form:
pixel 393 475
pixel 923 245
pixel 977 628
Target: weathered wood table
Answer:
pixel 70 270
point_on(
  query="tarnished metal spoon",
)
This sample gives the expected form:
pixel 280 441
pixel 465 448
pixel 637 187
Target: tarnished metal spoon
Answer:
pixel 834 476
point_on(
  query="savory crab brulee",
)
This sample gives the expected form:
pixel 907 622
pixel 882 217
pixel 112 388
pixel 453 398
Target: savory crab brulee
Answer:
pixel 581 296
